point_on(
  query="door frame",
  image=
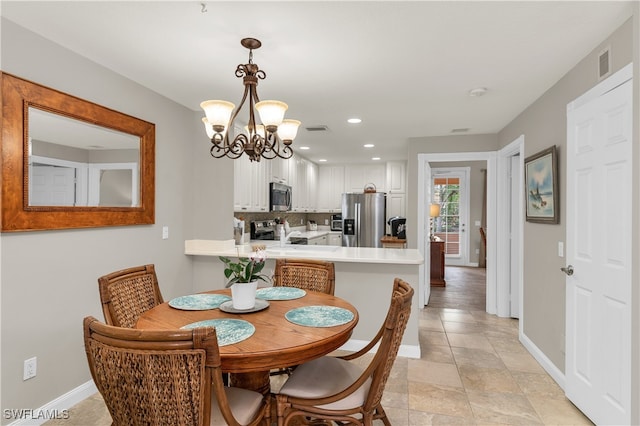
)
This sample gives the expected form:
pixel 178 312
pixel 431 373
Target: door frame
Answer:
pixel 423 217
pixel 505 205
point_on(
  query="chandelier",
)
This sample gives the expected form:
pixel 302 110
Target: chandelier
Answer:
pixel 268 140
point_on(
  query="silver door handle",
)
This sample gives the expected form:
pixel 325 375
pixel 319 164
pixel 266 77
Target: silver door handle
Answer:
pixel 568 270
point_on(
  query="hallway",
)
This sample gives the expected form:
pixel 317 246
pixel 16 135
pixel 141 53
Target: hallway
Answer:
pixel 473 370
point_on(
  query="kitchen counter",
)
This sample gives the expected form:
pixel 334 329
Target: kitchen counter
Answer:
pixel 364 277
pixel 329 253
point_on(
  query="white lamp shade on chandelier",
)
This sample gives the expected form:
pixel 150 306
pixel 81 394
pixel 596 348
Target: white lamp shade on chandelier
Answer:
pixel 288 130
pixel 218 112
pixel 271 112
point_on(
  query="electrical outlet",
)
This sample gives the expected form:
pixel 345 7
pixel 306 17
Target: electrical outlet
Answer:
pixel 30 367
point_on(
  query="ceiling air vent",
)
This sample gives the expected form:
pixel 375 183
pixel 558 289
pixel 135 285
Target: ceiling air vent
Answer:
pixel 320 128
pixel 460 130
pixel 604 63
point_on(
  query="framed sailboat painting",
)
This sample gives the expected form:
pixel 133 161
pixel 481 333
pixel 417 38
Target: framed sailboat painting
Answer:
pixel 541 187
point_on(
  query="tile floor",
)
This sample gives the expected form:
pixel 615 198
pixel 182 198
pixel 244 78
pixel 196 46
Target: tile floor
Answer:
pixel 473 370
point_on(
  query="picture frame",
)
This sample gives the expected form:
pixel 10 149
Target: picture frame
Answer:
pixel 541 187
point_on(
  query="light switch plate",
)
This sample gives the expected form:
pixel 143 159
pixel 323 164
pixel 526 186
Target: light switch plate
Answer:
pixel 165 232
pixel 560 249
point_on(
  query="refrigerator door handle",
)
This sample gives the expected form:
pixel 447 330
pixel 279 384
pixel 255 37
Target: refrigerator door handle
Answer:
pixel 357 206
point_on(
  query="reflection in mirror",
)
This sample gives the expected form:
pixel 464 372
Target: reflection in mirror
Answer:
pixel 75 163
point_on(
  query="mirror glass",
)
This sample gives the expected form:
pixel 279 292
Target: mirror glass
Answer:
pixel 75 163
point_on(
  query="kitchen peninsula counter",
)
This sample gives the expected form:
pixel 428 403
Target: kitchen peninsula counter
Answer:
pixel 364 277
pixel 328 253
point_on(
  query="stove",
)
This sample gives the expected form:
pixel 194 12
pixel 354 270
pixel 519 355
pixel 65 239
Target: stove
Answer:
pixel 263 230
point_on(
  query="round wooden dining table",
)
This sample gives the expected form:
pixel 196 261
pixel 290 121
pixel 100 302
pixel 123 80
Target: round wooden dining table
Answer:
pixel 276 342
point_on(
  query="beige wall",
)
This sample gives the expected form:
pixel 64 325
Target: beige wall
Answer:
pixel 544 124
pixel 49 278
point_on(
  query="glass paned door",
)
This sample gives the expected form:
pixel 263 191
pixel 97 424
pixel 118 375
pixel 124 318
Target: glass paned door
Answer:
pixel 450 193
pixel 446 193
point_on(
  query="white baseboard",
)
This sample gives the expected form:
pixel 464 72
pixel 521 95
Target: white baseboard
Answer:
pixel 548 366
pixel 56 408
pixel 406 351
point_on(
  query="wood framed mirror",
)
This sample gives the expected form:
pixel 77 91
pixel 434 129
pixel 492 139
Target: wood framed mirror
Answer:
pixel 70 163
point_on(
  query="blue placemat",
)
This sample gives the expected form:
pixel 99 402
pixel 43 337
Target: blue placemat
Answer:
pixel 198 302
pixel 319 316
pixel 229 331
pixel 280 293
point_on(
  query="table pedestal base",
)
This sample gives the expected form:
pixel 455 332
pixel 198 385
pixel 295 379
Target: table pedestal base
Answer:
pixel 258 381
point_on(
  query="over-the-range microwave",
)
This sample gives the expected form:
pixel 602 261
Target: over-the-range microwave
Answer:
pixel 279 197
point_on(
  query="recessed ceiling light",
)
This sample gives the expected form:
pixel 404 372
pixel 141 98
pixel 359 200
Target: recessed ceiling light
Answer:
pixel 304 147
pixel 322 160
pixel 354 121
pixel 376 158
pixel 478 91
pixel 368 145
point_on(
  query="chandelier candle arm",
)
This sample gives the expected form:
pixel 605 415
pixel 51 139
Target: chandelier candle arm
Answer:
pixel 268 140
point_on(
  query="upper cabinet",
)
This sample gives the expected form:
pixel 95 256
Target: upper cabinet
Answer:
pixel 316 188
pixel 396 189
pixel 396 177
pixel 250 185
pixel 304 190
pixel 357 176
pixel 330 188
pixel 280 170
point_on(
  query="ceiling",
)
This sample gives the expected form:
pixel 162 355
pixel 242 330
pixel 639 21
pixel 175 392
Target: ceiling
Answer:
pixel 404 67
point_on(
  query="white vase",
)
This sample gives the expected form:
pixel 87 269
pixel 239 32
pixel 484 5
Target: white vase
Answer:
pixel 243 295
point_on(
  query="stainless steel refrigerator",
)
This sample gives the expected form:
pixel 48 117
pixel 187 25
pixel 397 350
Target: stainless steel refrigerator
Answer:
pixel 363 219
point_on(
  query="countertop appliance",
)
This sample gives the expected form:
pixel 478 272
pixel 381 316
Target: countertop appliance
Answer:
pixel 279 197
pixel 363 219
pixel 398 227
pixel 263 230
pixel 336 222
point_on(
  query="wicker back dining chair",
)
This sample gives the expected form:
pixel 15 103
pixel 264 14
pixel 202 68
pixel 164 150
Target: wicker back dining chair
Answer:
pixel 335 389
pixel 307 274
pixel 127 293
pixel 166 377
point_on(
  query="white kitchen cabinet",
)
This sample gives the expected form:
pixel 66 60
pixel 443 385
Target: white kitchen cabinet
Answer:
pixel 396 177
pixel 359 175
pixel 334 239
pixel 330 188
pixel 250 185
pixel 304 190
pixel 312 187
pixel 317 241
pixel 300 194
pixel 396 205
pixel 396 189
pixel 280 170
pixel 293 177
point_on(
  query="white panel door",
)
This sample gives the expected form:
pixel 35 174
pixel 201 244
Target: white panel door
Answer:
pixel 598 293
pixel 52 186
